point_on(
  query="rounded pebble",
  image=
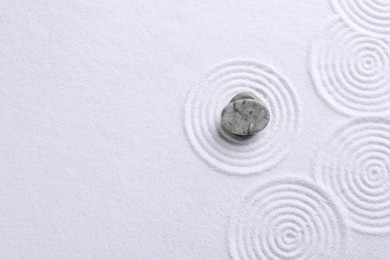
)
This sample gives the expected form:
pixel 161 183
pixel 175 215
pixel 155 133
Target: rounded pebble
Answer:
pixel 244 115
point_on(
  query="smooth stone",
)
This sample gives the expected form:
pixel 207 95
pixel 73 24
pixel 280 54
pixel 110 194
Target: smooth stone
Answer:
pixel 244 115
pixel 244 95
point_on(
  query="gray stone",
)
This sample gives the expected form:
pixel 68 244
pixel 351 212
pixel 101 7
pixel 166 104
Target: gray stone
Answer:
pixel 244 115
pixel 243 95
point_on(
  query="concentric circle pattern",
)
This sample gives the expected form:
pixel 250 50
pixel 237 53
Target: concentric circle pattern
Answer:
pixel 371 17
pixel 351 71
pixel 287 218
pixel 203 111
pixel 356 164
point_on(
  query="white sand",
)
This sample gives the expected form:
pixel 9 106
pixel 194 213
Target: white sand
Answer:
pixel 111 148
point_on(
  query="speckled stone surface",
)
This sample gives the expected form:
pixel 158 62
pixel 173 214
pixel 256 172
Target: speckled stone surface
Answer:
pixel 244 115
